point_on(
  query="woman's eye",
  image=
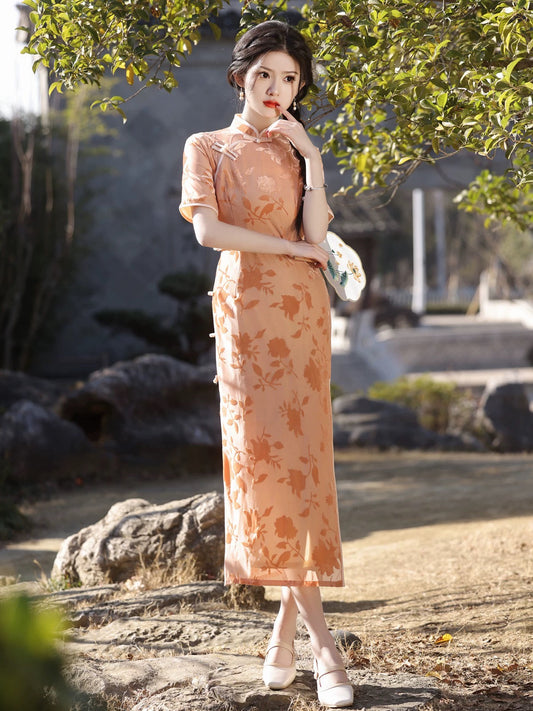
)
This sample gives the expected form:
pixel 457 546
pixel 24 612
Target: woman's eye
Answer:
pixel 264 75
pixel 290 79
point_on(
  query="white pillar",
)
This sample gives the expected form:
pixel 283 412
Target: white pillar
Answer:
pixel 440 240
pixel 419 253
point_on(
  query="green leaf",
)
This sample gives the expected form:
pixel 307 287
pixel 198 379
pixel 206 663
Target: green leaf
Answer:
pixel 215 29
pixel 509 69
pixel 442 99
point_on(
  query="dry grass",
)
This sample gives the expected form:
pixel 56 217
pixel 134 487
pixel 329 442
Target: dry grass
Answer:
pixel 433 546
pixel 244 597
pixel 301 704
pixel 298 703
pixel 162 572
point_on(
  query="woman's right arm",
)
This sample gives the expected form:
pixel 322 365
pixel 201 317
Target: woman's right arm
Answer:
pixel 211 232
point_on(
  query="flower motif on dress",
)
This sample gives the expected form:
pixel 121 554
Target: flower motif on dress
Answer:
pixel 296 480
pixel 313 374
pixel 260 213
pixel 325 556
pixel 253 277
pixel 277 348
pixel 245 346
pixel 293 412
pixel 261 450
pixel 290 305
pixel 269 380
pixel 285 527
pixel 234 410
pixel 266 184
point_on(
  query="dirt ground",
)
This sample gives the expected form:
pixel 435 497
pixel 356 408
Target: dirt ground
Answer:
pixel 438 552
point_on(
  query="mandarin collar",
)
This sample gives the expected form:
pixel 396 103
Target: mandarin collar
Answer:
pixel 242 126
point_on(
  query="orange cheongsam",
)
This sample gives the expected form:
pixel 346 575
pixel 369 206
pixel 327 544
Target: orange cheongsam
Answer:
pixel 272 326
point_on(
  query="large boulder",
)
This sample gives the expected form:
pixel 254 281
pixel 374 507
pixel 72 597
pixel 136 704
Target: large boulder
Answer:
pixel 36 445
pixel 152 404
pixel 363 422
pixel 505 415
pixel 135 533
pixel 15 385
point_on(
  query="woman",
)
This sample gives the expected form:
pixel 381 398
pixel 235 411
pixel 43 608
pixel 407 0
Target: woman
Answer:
pixel 256 192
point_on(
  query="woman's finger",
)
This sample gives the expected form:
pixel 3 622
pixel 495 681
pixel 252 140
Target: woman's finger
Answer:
pixel 289 116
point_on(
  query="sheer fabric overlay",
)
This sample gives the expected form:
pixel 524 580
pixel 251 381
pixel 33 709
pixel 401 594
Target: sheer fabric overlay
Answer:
pixel 272 326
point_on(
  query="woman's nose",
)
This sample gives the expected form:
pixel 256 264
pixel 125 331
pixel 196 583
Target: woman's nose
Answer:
pixel 273 90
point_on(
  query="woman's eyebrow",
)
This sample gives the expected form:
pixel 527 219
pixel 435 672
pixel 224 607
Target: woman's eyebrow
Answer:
pixel 261 66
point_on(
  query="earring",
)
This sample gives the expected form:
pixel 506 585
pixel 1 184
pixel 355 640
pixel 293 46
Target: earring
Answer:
pixel 294 105
pixel 241 94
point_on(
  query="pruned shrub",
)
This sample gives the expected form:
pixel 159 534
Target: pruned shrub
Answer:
pixel 433 401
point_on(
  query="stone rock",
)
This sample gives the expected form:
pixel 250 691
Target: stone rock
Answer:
pixel 34 442
pixel 364 406
pixel 202 657
pixel 211 682
pixel 363 422
pixel 344 639
pixel 135 532
pixel 148 405
pixel 171 631
pixel 167 600
pixel 505 415
pixel 15 385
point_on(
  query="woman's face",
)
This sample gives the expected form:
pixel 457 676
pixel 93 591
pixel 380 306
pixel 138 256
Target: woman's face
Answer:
pixel 270 85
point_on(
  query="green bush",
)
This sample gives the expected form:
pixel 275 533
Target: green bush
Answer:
pixel 444 308
pixel 432 401
pixel 31 667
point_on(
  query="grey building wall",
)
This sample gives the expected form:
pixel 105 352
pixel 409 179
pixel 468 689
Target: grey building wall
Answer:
pixel 136 234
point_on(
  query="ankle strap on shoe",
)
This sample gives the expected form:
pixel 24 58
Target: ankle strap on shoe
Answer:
pixel 282 645
pixel 328 671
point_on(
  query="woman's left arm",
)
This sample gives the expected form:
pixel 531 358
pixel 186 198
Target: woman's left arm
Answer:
pixel 315 213
pixel 315 209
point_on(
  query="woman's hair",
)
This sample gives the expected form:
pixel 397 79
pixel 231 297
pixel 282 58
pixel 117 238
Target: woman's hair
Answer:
pixel 275 36
pixel 272 36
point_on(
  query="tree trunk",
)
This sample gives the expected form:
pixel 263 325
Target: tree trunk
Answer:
pixel 24 239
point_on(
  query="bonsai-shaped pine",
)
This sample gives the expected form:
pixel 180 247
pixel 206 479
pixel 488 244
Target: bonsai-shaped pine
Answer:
pixel 187 336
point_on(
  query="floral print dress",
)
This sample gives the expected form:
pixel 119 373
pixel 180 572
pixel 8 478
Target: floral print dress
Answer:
pixel 272 327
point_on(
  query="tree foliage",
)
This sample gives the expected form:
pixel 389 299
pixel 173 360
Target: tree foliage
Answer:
pixel 402 81
pixel 81 40
pixel 418 81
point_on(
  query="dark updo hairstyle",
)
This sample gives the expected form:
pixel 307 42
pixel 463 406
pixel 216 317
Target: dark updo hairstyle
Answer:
pixel 272 36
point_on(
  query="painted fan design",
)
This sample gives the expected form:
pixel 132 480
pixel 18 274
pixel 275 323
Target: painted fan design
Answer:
pixel 344 271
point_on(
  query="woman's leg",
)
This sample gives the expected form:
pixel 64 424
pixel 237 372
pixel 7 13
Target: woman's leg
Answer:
pixel 284 628
pixel 309 604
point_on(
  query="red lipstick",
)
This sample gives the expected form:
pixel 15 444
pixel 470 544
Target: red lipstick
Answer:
pixel 271 104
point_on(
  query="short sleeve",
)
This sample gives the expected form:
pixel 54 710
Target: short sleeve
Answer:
pixel 198 184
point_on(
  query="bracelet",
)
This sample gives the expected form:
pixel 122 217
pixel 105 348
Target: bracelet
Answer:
pixel 318 187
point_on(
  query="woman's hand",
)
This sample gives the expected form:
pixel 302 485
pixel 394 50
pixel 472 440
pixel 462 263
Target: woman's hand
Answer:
pixel 309 252
pixel 296 133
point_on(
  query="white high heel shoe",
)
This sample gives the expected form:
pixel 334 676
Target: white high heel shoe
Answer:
pixel 335 696
pixel 274 675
